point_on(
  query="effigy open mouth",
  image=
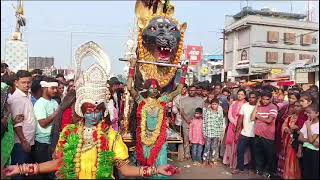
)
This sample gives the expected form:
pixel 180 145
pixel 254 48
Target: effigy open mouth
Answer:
pixel 163 54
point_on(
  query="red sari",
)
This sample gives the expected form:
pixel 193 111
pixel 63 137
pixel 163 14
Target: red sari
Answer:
pixel 282 116
pixel 291 168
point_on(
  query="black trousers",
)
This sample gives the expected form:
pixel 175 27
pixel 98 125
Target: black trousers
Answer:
pixel 264 153
pixel 243 143
pixel 310 164
pixel 42 153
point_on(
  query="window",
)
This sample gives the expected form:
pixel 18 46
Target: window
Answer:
pixel 288 58
pixel 244 55
pixel 305 57
pixel 289 38
pixel 272 37
pixel 271 57
pixel 305 39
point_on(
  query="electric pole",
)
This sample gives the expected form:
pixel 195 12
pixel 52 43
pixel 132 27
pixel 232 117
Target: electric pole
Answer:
pixel 223 56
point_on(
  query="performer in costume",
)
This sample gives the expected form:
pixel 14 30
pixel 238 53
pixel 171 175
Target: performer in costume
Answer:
pixel 90 148
pixel 151 146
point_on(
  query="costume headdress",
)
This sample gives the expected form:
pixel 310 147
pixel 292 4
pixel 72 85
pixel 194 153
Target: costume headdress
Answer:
pixel 146 10
pixel 91 85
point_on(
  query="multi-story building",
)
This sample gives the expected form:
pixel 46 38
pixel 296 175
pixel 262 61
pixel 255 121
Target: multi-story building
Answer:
pixel 214 65
pixel 41 62
pixel 262 43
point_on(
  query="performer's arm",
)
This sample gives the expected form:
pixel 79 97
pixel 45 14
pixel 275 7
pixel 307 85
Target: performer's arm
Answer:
pixel 131 89
pixel 32 169
pixel 181 84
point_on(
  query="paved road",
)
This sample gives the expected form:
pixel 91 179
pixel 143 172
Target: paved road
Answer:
pixel 219 171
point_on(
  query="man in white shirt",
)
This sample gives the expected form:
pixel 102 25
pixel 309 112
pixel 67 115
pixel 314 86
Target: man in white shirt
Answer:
pixel 21 105
pixel 246 138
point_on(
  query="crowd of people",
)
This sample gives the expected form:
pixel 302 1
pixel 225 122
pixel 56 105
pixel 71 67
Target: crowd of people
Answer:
pixel 271 130
pixel 264 128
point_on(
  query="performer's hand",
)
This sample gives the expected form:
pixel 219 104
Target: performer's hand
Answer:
pixel 68 100
pixel 133 62
pixel 184 69
pixel 168 170
pixel 11 170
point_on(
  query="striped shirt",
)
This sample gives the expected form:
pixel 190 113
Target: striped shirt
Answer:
pixel 262 128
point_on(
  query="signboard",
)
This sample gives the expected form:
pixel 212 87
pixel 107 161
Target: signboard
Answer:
pixel 308 69
pixel 194 54
pixel 16 55
pixel 276 71
pixel 302 77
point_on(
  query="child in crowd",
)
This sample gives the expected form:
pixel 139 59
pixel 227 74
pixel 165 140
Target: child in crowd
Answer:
pixel 309 135
pixel 213 131
pixel 196 136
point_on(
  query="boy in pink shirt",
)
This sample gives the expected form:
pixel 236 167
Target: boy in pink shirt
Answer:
pixel 196 136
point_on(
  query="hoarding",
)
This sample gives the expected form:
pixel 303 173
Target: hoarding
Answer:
pixel 194 54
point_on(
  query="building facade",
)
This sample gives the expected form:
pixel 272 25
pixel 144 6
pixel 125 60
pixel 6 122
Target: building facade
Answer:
pixel 212 67
pixel 262 43
pixel 40 63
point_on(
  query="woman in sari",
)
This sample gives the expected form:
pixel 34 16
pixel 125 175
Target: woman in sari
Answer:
pixel 291 168
pixel 285 111
pixel 230 155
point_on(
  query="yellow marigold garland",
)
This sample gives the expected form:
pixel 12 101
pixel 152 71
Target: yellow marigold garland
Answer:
pixel 144 138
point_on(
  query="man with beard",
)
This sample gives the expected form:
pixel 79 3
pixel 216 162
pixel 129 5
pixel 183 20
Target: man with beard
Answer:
pixel 45 110
pixel 188 107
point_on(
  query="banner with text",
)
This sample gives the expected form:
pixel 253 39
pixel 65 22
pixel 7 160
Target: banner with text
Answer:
pixel 194 54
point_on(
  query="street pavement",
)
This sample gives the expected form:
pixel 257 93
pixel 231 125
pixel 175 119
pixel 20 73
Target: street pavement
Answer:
pixel 218 171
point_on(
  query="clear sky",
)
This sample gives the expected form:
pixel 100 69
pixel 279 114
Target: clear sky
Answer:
pixel 50 23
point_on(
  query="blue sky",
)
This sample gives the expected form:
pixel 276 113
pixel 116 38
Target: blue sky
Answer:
pixel 50 23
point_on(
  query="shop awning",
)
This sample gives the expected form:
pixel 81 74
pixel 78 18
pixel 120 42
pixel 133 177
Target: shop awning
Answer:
pixel 285 83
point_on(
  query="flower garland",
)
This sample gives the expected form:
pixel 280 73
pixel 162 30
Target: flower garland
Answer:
pixel 158 144
pixel 69 146
pixel 144 138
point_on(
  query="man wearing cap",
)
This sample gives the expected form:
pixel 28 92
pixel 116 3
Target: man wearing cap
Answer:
pixel 45 110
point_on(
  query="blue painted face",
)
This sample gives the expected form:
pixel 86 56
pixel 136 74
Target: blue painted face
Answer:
pixel 93 118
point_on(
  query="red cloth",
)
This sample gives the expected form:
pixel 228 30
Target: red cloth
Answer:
pixel 66 117
pixel 302 117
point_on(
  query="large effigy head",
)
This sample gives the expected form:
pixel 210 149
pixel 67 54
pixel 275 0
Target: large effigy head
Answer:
pixel 160 39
